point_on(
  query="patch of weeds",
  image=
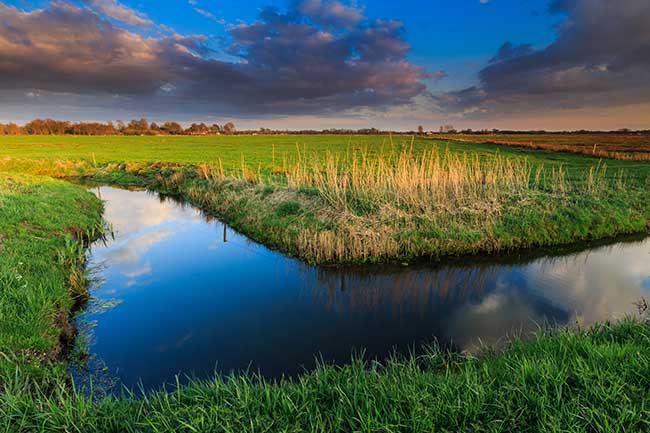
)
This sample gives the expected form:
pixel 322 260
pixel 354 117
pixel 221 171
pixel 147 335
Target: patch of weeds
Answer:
pixel 266 191
pixel 309 191
pixel 288 208
pixel 361 206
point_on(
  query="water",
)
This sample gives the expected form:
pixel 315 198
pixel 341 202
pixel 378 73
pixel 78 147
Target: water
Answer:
pixel 184 294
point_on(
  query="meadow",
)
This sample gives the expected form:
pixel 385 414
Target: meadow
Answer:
pixel 622 146
pixel 334 199
pixel 326 199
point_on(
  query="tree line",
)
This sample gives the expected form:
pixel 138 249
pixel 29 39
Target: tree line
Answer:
pixel 134 127
pixel 143 127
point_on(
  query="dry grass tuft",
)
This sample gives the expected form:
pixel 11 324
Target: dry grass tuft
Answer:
pixel 431 181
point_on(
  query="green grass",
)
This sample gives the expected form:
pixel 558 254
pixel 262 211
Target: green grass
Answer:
pixel 564 380
pixel 561 381
pixel 261 197
pixel 44 226
pixel 267 151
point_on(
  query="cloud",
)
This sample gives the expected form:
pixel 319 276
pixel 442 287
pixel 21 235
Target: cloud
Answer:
pixel 119 12
pixel 207 14
pixel 600 58
pixel 139 272
pixel 315 57
pixel 329 13
pixel 66 49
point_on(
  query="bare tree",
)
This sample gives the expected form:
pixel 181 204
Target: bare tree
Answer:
pixel 229 128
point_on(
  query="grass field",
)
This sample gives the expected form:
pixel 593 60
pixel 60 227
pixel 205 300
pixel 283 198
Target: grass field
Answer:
pixel 623 146
pixel 264 151
pixel 331 199
pixel 428 202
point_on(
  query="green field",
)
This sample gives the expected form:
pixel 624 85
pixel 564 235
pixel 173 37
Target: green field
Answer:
pixel 255 150
pixel 333 199
pixel 624 146
pixel 378 199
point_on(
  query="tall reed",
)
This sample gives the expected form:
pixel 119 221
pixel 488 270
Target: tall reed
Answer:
pixel 429 180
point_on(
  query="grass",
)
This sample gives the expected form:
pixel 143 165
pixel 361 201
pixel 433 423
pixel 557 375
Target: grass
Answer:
pixel 567 380
pixel 622 146
pixel 266 152
pixel 383 199
pixel 44 228
pixel 571 381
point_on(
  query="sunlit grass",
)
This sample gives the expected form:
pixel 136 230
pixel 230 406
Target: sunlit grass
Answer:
pixel 44 227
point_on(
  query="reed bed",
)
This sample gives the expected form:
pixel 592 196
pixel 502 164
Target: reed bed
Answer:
pixel 432 180
pixel 399 202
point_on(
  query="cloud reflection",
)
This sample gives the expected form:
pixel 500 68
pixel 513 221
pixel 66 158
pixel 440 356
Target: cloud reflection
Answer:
pixel 484 304
pixel 139 224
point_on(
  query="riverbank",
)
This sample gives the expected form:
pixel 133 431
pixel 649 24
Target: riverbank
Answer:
pixel 45 226
pixel 569 380
pixel 397 203
pixel 573 381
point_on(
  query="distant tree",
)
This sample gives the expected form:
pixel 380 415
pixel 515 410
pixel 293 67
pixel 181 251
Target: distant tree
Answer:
pixel 172 128
pixel 197 129
pixel 215 129
pixel 421 130
pixel 137 127
pixel 229 128
pixel 10 129
pixel 46 127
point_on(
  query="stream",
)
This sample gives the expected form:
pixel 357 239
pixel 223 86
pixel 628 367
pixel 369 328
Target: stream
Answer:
pixel 179 293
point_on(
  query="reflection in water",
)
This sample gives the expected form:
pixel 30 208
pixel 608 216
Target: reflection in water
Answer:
pixel 196 297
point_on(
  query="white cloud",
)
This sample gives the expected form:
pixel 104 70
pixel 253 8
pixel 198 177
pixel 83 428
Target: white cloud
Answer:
pixel 119 12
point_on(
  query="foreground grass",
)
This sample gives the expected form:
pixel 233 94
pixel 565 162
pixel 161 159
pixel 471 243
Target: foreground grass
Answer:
pixel 44 226
pixel 570 381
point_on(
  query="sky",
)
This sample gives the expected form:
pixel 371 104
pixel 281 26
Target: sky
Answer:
pixel 389 64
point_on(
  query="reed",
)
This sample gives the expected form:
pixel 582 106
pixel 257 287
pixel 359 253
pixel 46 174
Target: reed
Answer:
pixel 432 180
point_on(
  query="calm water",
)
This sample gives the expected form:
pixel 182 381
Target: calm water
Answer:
pixel 181 293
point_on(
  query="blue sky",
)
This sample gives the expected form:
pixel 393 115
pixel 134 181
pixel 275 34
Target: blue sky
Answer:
pixel 553 64
pixel 444 34
pixel 458 36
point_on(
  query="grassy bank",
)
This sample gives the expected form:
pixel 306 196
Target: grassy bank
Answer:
pixel 570 381
pixel 563 380
pixel 44 228
pixel 376 201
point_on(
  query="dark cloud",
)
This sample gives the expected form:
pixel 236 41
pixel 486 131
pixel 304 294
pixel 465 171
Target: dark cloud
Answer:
pixel 318 56
pixel 67 49
pixel 601 57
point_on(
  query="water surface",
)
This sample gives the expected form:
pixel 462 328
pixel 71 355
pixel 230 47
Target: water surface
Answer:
pixel 181 293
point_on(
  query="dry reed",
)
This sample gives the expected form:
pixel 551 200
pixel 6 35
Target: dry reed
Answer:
pixel 431 180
